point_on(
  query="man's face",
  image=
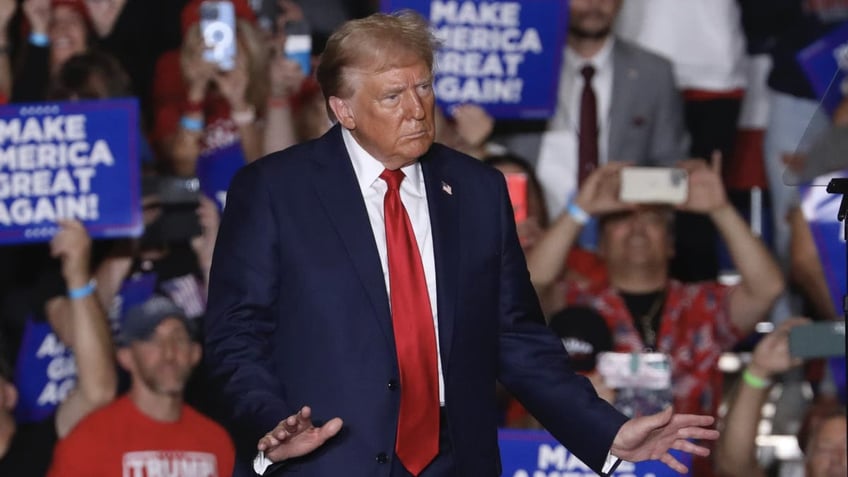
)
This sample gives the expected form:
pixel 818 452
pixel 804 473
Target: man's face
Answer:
pixel 592 18
pixel 164 361
pixel 639 238
pixel 390 113
pixel 826 456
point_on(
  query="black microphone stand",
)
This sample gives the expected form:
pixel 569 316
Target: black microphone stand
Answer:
pixel 840 186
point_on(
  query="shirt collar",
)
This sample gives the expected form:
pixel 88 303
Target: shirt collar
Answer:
pixel 601 60
pixel 368 169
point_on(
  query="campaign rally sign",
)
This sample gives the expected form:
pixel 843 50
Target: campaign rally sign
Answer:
pixel 45 372
pixel 74 160
pixel 215 170
pixel 135 290
pixel 821 208
pixel 538 454
pixel 825 63
pixel 503 56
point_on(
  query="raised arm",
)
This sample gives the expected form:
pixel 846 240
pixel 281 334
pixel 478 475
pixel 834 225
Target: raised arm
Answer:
pixel 87 332
pixel 598 195
pixel 736 451
pixel 762 280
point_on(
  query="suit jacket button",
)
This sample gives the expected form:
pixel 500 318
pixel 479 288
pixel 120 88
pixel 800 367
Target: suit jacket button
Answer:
pixel 393 385
pixel 382 458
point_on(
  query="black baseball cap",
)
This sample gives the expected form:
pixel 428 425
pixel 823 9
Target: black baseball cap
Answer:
pixel 141 321
pixel 584 333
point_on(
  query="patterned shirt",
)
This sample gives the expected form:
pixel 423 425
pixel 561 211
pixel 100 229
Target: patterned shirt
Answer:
pixel 695 329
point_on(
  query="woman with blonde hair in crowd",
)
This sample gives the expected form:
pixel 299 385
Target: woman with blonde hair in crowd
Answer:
pixel 201 108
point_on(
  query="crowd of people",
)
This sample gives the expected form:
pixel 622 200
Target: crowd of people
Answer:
pixel 157 351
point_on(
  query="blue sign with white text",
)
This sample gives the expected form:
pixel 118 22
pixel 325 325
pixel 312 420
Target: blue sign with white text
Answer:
pixel 215 170
pixel 504 56
pixel 825 63
pixel 538 454
pixel 45 372
pixel 69 160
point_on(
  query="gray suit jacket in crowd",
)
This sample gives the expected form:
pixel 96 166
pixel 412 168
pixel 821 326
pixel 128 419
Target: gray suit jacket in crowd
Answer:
pixel 646 114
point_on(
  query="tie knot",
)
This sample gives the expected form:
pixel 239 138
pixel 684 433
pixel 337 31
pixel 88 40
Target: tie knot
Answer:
pixel 393 178
pixel 588 72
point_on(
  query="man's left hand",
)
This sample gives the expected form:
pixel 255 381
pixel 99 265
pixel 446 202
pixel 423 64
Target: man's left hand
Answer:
pixel 296 436
pixel 651 437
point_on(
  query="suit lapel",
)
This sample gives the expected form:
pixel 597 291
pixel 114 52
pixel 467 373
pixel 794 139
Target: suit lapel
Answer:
pixel 339 194
pixel 624 81
pixel 443 197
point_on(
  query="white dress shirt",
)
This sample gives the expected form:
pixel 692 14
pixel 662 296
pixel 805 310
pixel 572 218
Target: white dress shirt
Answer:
pixel 558 154
pixel 413 194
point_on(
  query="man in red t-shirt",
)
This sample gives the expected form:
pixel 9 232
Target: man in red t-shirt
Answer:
pixel 151 431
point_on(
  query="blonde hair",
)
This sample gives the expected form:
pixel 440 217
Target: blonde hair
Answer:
pixel 378 42
pixel 258 84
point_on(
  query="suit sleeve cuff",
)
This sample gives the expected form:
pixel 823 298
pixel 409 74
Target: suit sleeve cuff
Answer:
pixel 610 465
pixel 264 466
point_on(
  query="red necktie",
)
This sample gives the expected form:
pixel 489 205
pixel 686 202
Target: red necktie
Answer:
pixel 588 147
pixel 415 336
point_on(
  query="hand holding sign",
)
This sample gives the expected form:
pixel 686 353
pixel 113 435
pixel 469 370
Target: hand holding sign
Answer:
pixel 73 246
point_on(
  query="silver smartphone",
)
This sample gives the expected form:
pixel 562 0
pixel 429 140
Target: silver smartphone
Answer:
pixel 654 185
pixel 218 27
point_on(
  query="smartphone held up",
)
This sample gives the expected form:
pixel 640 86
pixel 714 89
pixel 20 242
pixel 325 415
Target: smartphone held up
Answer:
pixel 218 27
pixel 654 185
pixel 299 44
pixel 516 184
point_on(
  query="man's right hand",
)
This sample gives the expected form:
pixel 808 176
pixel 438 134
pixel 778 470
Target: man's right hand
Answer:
pixel 296 436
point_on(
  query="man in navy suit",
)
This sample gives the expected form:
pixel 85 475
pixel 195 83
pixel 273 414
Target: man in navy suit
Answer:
pixel 313 296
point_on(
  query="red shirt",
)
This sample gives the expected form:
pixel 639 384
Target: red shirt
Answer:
pixel 695 329
pixel 119 440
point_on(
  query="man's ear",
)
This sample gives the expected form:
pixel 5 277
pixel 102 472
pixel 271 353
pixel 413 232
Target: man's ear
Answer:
pixel 196 354
pixel 10 395
pixel 125 358
pixel 343 112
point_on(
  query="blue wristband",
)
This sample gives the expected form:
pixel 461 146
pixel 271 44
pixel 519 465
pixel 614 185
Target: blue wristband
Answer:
pixel 39 39
pixel 577 213
pixel 191 124
pixel 83 291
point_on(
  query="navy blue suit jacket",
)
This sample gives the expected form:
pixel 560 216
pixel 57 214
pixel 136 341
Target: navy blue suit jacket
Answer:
pixel 298 315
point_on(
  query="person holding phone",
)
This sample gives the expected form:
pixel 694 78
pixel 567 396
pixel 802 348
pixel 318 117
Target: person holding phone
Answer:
pixel 823 444
pixel 647 309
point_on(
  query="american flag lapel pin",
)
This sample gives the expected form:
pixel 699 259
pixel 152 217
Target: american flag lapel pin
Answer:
pixel 446 188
